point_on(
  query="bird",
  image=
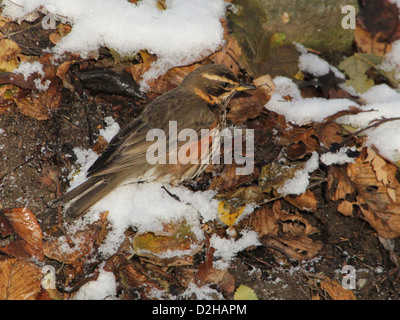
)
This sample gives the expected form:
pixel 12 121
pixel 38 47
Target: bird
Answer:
pixel 199 102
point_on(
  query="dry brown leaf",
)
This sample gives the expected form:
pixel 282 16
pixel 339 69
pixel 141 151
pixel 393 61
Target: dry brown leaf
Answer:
pixel 62 30
pixel 378 192
pixel 296 151
pixel 306 201
pixel 28 234
pixel 299 249
pixel 19 280
pixel 304 135
pixel 329 133
pixel 295 225
pixel 264 221
pixel 339 185
pixel 5 227
pixel 100 145
pixel 207 274
pixel 346 208
pixel 84 241
pixel 288 233
pixel 336 291
pixel 41 105
pixel 63 74
pixel 135 276
pixel 367 44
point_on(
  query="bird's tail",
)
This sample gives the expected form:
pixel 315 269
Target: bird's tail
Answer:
pixel 86 195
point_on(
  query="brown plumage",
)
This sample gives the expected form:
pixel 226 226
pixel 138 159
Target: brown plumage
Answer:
pixel 199 102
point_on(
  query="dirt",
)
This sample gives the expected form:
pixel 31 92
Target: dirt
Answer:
pixel 38 156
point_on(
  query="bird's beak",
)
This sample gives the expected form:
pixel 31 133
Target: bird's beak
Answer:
pixel 244 87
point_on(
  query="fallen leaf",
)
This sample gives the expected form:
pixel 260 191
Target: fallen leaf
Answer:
pixel 384 26
pixel 336 291
pixel 9 52
pixel 265 221
pixel 305 201
pixel 84 242
pixel 175 246
pixel 40 105
pixel 274 176
pixel 227 179
pixel 235 199
pixel 287 233
pixel 329 133
pixel 31 37
pixel 134 276
pixel 346 208
pixel 356 69
pixel 302 136
pixel 244 293
pixel 28 234
pixel 378 192
pixel 225 214
pixel 299 249
pixel 63 74
pixel 19 280
pixel 368 43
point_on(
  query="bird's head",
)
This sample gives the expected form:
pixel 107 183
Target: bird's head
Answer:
pixel 215 84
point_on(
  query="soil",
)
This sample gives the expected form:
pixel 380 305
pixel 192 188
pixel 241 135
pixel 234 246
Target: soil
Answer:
pixel 38 156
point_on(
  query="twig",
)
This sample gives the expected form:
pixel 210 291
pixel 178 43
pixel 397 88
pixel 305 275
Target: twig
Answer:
pixel 171 194
pixel 377 123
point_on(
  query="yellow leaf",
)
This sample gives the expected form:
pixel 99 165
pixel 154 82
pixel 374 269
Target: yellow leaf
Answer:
pixel 225 215
pixel 9 51
pixel 244 293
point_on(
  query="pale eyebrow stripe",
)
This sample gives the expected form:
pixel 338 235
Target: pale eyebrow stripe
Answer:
pixel 218 78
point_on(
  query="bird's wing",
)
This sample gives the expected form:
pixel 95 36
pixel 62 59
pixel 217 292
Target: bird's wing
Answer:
pixel 128 148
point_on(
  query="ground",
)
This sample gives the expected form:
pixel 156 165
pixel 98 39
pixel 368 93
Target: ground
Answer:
pixel 36 149
pixel 347 218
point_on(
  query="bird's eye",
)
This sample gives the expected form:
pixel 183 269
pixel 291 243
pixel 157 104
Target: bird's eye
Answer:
pixel 224 84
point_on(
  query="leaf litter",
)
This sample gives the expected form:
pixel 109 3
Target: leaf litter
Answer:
pixel 192 241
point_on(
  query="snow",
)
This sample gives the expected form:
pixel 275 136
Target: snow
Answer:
pixel 112 129
pixel 339 157
pixel 201 293
pixel 313 64
pixel 299 183
pixel 104 287
pixel 226 249
pixel 26 69
pixel 300 110
pixel 182 34
pixel 146 207
pixel 382 102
